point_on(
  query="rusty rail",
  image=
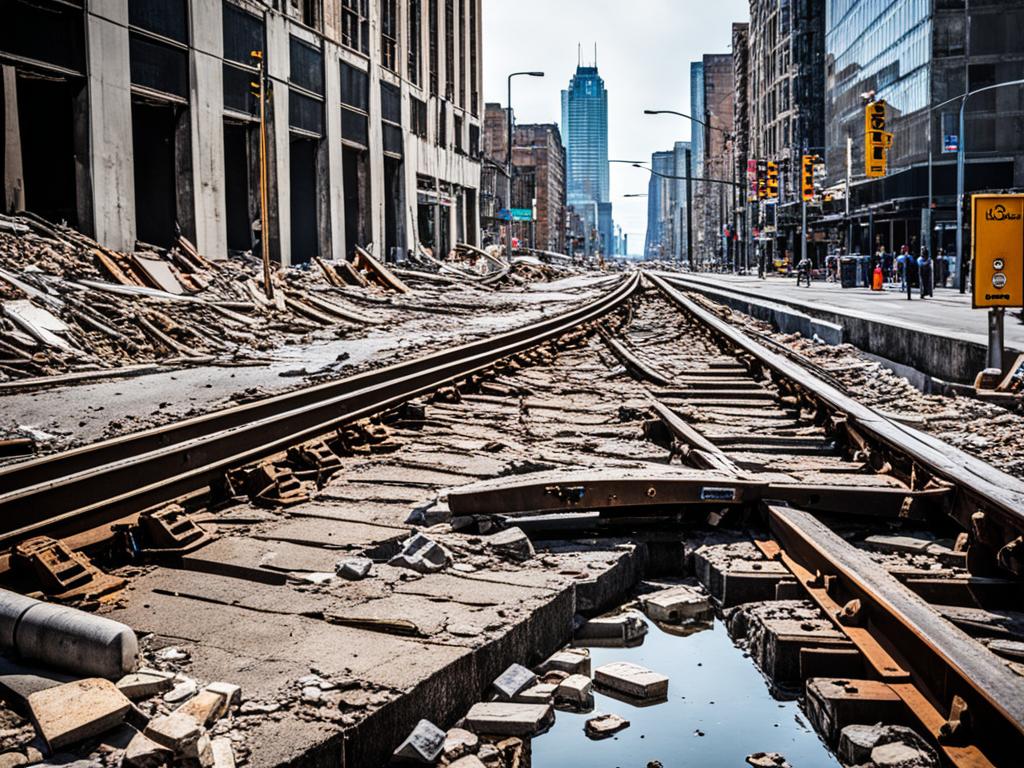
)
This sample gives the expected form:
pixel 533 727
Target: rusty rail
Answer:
pixel 87 488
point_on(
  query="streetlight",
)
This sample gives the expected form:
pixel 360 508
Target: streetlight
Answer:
pixel 960 158
pixel 508 159
pixel 729 136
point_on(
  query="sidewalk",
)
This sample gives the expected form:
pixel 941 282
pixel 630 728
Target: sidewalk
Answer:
pixel 941 336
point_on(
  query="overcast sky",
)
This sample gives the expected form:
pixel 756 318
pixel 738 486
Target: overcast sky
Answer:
pixel 644 50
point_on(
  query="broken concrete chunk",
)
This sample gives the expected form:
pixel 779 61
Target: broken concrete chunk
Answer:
pixel 181 691
pixel 145 683
pixel 575 661
pixel 676 605
pixel 496 718
pixel 834 704
pixel 232 693
pixel 178 732
pixel 69 713
pixel 901 755
pixel 575 690
pixel 459 742
pixel 206 707
pixel 354 568
pixel 421 554
pixel 223 754
pixel 540 693
pixel 511 543
pixel 857 745
pixel 514 680
pixel 623 629
pixel 12 759
pixel 143 752
pixel 490 756
pixel 632 680
pixel 602 726
pixel 767 760
pixel 423 745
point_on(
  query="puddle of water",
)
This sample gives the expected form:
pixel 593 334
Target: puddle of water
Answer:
pixel 702 668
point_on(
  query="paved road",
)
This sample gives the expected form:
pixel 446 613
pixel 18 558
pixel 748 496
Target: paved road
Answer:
pixel 947 311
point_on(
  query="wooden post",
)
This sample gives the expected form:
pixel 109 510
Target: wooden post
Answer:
pixel 268 286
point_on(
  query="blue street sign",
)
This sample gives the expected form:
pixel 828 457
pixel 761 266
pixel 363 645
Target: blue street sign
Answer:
pixel 950 143
pixel 516 214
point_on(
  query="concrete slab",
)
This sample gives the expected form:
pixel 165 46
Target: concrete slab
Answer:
pixel 508 718
pixel 69 713
pixel 632 680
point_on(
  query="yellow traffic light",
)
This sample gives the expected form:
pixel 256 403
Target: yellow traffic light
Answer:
pixel 772 192
pixel 876 140
pixel 807 177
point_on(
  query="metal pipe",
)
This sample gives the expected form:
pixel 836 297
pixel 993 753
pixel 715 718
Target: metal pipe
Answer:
pixel 66 638
pixel 995 337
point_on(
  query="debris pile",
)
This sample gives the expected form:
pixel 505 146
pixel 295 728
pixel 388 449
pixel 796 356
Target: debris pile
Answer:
pixel 69 305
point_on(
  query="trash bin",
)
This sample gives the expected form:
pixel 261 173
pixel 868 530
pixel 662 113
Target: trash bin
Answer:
pixel 941 270
pixel 848 271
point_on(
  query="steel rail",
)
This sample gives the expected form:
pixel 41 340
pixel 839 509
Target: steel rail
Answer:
pixel 79 490
pixel 979 485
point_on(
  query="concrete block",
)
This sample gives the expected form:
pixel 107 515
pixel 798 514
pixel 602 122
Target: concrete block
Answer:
pixel 143 752
pixel 423 745
pixel 613 631
pixel 145 683
pixel 575 661
pixel 735 572
pixel 900 755
pixel 354 568
pixel 831 662
pixel 178 732
pixel 422 554
pixel 232 693
pixel 603 726
pixel 508 719
pixel 857 744
pixel 12 759
pixel 19 681
pixel 833 704
pixel 69 713
pixel 576 691
pixel 540 693
pixel 514 680
pixel 511 543
pixel 206 707
pixel 767 760
pixel 676 605
pixel 459 742
pixel 632 680
pixel 223 754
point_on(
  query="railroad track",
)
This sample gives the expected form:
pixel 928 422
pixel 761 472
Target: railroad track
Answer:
pixel 764 443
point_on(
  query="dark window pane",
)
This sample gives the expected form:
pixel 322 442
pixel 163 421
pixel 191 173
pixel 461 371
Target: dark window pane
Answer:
pixel 305 113
pixel 168 18
pixel 390 103
pixel 243 33
pixel 239 94
pixel 355 87
pixel 158 66
pixel 307 66
pixel 392 138
pixel 354 127
pixel 44 32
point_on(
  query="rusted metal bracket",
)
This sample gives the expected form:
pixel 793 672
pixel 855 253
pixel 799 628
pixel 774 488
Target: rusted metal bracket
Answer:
pixel 317 458
pixel 269 485
pixel 169 530
pixel 63 573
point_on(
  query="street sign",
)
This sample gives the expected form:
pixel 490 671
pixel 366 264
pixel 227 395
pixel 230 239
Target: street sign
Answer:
pixel 950 143
pixel 997 250
pixel 516 214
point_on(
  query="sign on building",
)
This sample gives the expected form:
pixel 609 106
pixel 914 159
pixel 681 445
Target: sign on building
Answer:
pixel 997 250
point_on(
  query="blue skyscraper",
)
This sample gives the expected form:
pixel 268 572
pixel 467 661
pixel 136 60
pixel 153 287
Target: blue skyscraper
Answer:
pixel 697 110
pixel 585 128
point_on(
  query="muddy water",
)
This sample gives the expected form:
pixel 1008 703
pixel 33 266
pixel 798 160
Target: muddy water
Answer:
pixel 718 711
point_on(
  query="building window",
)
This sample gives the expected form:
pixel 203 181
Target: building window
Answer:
pixel 355 25
pixel 474 141
pixel 243 34
pixel 442 124
pixel 474 93
pixel 418 117
pixel 413 41
pixel 311 13
pixel 355 105
pixel 449 49
pixel 391 119
pixel 389 34
pixel 458 136
pixel 432 21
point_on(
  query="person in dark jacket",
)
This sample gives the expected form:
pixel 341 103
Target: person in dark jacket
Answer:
pixel 925 273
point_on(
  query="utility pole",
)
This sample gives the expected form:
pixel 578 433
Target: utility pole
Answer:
pixel 689 212
pixel 268 286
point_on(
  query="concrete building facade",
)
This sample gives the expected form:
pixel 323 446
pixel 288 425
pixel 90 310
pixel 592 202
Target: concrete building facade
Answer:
pixel 661 194
pixel 717 199
pixel 136 120
pixel 538 181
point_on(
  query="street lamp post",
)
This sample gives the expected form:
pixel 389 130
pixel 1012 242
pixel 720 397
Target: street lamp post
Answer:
pixel 508 160
pixel 960 158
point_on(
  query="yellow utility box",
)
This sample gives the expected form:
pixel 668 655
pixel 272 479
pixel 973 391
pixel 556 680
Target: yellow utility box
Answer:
pixel 997 250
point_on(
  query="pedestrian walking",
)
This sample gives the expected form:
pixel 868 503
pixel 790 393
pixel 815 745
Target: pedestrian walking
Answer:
pixel 925 273
pixel 803 272
pixel 909 273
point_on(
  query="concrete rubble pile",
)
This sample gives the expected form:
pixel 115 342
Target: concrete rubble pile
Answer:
pixel 69 305
pixel 73 693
